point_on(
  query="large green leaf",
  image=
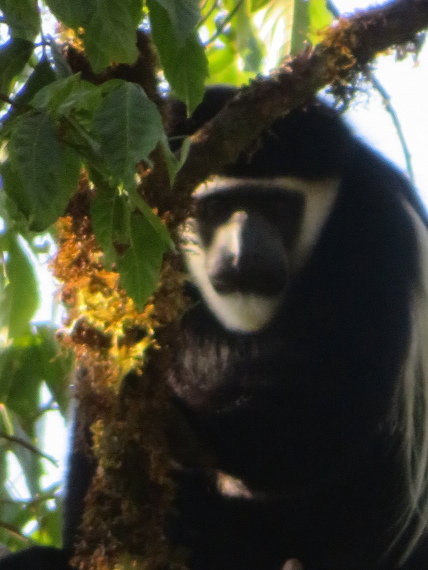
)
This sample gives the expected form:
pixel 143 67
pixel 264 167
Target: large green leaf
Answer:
pixel 41 175
pixel 42 75
pixel 49 527
pixel 20 298
pixel 304 18
pixel 154 221
pixel 75 14
pixel 242 34
pixel 27 363
pixel 135 239
pixel 185 64
pixel 184 16
pixel 56 366
pixel 25 452
pixel 319 18
pixel 299 24
pixel 65 94
pixel 110 34
pixel 62 67
pixel 110 219
pixel 14 54
pixel 140 265
pixel 256 5
pixel 110 28
pixel 128 126
pixel 22 17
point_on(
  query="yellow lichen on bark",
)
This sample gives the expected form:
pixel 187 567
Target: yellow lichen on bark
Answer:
pixel 125 415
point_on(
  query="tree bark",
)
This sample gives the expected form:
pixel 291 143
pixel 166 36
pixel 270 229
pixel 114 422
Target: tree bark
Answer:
pixel 347 47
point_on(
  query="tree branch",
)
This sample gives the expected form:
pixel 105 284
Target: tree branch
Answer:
pixel 29 446
pixel 346 48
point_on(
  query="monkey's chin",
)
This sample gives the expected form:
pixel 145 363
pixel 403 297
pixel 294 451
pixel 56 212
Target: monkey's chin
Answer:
pixel 242 312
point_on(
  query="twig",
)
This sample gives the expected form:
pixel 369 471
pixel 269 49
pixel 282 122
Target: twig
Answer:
pixel 29 446
pixel 208 14
pixel 386 99
pixel 14 530
pixel 224 23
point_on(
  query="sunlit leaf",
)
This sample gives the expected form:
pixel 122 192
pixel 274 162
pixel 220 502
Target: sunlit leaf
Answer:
pixel 219 60
pixel 319 18
pixel 300 25
pixel 248 44
pixel 256 5
pixel 49 527
pixel 20 298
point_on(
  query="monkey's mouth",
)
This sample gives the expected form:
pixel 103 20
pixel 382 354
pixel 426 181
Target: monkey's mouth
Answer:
pixel 265 283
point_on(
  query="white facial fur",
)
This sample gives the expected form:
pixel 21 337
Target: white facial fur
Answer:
pixel 248 312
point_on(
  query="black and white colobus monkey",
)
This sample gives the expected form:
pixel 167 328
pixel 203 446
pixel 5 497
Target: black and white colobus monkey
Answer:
pixel 303 362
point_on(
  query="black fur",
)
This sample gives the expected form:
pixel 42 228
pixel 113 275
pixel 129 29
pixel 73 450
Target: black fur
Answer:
pixel 300 412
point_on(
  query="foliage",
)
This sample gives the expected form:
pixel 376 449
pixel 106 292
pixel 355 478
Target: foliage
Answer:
pixel 58 126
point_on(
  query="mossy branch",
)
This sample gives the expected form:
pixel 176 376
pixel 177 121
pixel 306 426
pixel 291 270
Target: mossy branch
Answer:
pixel 348 45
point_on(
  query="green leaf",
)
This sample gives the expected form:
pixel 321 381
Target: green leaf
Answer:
pixel 248 44
pixel 26 364
pixel 56 366
pixel 64 94
pixel 62 68
pixel 49 530
pixel 41 175
pixel 128 126
pixel 22 17
pixel 140 265
pixel 42 75
pixel 185 64
pixel 151 218
pixel 20 298
pixel 184 16
pixel 220 59
pixel 295 14
pixel 171 161
pixel 319 18
pixel 110 33
pixel 75 14
pixel 110 220
pixel 188 72
pixel 14 54
pixel 28 459
pixel 256 5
